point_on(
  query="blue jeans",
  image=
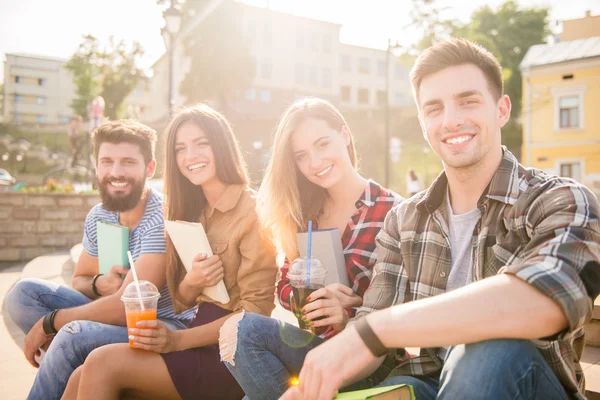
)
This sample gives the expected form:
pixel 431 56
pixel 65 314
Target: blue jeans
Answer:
pixel 31 299
pixel 494 369
pixel 270 352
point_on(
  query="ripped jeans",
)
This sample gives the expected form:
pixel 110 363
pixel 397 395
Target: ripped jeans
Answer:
pixel 31 299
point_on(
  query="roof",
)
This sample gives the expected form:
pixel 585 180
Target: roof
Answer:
pixel 547 54
pixel 38 56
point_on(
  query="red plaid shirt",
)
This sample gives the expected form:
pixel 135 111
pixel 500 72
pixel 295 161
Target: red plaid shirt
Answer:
pixel 358 241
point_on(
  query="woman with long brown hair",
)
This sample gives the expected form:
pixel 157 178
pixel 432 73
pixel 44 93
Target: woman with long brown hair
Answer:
pixel 312 176
pixel 205 181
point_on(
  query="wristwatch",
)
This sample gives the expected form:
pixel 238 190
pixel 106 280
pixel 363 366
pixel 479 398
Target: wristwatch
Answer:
pixel 48 323
pixel 94 288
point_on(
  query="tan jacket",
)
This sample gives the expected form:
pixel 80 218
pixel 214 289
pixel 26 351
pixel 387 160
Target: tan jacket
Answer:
pixel 248 258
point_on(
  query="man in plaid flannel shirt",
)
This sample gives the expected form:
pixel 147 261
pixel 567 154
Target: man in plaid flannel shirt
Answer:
pixel 502 316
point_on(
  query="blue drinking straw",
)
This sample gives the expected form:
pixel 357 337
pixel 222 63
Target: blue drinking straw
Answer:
pixel 308 253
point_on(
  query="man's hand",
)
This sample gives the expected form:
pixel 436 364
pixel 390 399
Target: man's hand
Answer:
pixel 345 295
pixel 205 272
pixel 154 336
pixel 331 366
pixel 111 282
pixel 35 339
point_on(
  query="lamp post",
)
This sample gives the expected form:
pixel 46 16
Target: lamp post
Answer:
pixel 169 32
pixel 388 60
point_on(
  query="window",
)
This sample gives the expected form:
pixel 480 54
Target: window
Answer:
pixel 312 76
pixel 41 82
pixel 266 69
pixel 381 67
pixel 346 94
pixel 326 78
pixel 18 98
pixel 18 79
pixel 399 98
pixel 251 28
pixel 267 34
pixel 568 107
pixel 363 96
pixel 299 39
pixel 570 170
pixel 41 100
pixel 399 72
pixel 137 92
pixel 265 96
pixel 18 118
pixel 363 65
pixel 40 119
pixel 381 97
pixel 299 73
pixel 65 120
pixel 346 63
pixel 250 94
pixel 569 111
pixel 327 44
pixel 314 42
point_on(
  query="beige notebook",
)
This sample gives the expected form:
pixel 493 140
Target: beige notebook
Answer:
pixel 189 240
pixel 327 248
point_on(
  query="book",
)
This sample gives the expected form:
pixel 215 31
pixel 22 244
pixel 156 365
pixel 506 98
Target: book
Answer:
pixel 327 248
pixel 395 392
pixel 189 239
pixel 113 244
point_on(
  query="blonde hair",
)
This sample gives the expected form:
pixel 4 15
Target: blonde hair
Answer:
pixel 286 199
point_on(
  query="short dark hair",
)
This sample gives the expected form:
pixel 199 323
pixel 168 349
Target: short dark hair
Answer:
pixel 456 52
pixel 126 130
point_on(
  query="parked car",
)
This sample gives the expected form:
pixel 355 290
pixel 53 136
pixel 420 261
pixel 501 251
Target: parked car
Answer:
pixel 6 178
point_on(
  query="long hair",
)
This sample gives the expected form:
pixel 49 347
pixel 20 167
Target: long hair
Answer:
pixel 286 199
pixel 185 201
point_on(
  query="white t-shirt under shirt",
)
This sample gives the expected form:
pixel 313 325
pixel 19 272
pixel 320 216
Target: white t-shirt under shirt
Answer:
pixel 461 228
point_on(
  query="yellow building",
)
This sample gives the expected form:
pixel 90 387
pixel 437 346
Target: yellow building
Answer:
pixel 561 105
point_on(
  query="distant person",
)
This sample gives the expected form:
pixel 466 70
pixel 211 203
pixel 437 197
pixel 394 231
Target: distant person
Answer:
pixel 414 184
pixel 96 113
pixel 74 133
pixel 71 322
pixel 205 181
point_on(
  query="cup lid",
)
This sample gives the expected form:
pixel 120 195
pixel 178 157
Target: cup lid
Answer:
pixel 147 289
pixel 299 268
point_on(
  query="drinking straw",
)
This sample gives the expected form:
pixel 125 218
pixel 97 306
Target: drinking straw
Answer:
pixel 308 253
pixel 135 279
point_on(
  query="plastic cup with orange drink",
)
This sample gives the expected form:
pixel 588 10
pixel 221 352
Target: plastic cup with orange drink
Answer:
pixel 140 306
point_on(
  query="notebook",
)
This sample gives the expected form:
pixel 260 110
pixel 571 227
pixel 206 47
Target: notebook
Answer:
pixel 395 392
pixel 113 244
pixel 327 248
pixel 189 240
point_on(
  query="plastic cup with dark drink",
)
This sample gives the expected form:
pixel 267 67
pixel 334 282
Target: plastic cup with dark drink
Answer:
pixel 306 276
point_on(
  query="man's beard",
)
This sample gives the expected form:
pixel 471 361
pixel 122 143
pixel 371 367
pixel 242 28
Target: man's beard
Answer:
pixel 121 203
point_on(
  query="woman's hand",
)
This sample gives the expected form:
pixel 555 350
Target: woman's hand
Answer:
pixel 154 336
pixel 205 272
pixel 345 295
pixel 324 303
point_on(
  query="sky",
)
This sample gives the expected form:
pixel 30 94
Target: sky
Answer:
pixel 55 27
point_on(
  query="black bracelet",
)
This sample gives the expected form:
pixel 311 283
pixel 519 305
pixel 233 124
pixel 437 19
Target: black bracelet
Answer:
pixel 48 323
pixel 370 338
pixel 94 288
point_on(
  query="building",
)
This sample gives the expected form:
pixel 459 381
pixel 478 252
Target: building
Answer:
pixel 561 99
pixel 295 57
pixel 37 90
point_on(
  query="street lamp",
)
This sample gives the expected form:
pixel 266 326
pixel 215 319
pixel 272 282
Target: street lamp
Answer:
pixel 169 32
pixel 388 58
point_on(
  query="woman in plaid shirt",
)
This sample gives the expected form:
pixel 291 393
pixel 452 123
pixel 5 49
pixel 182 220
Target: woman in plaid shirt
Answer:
pixel 312 176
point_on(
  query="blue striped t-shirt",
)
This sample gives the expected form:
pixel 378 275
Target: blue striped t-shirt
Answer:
pixel 146 238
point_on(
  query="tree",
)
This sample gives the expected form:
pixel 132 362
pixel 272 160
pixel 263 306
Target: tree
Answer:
pixel 221 65
pixel 110 72
pixel 508 32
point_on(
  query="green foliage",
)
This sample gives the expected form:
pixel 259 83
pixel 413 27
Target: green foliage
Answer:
pixel 221 64
pixel 110 72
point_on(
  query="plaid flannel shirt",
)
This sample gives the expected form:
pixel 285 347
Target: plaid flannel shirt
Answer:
pixel 358 241
pixel 540 228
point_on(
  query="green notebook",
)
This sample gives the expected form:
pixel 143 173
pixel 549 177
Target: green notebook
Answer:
pixel 113 243
pixel 395 392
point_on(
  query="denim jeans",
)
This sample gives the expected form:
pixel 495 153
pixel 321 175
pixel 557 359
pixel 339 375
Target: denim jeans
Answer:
pixel 270 352
pixel 29 300
pixel 494 369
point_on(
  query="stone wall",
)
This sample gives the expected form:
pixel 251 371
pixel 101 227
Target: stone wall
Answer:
pixel 34 224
